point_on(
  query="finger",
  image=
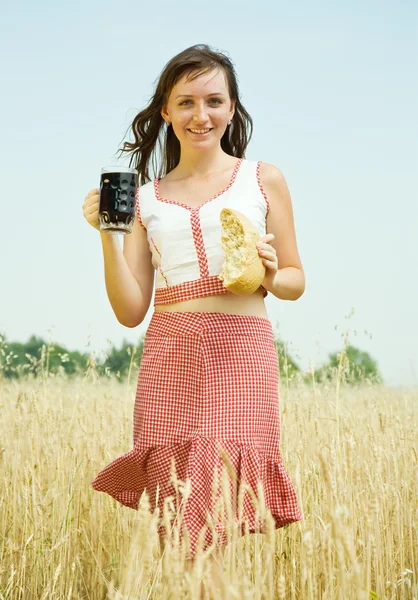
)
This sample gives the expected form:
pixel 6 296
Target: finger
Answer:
pixel 265 240
pixel 91 193
pixel 270 263
pixel 270 259
pixel 89 205
pixel 267 250
pixel 90 211
pixel 268 236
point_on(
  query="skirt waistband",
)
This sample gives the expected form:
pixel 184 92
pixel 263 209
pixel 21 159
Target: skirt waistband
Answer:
pixel 191 323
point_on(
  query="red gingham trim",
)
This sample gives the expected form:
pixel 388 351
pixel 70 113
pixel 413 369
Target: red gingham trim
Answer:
pixel 199 243
pixel 186 206
pixel 261 187
pixel 265 198
pixel 159 268
pixel 138 210
pixel 189 290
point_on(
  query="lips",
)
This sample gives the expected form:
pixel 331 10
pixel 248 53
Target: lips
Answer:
pixel 200 132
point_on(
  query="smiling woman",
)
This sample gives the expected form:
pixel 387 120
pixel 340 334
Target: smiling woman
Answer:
pixel 202 114
pixel 207 388
pixel 197 84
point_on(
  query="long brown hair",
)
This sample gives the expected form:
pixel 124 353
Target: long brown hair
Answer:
pixel 150 131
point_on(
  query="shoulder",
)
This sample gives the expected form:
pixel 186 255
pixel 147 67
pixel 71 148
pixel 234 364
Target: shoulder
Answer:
pixel 147 185
pixel 273 183
pixel 145 188
pixel 168 176
pixel 270 174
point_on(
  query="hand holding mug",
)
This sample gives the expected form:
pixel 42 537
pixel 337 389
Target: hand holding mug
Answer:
pixel 91 208
pixel 117 199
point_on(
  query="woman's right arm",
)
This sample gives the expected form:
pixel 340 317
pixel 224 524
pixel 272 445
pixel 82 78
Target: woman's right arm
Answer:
pixel 129 274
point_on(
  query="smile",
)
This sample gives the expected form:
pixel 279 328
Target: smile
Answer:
pixel 200 131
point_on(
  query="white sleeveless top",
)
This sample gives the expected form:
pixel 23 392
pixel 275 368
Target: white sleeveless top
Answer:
pixel 186 242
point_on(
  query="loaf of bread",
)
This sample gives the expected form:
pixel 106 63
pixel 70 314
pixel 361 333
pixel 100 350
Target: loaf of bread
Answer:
pixel 243 270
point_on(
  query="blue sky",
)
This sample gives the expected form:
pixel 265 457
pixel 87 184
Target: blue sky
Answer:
pixel 332 89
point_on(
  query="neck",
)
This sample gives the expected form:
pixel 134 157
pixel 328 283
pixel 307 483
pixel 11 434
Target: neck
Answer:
pixel 200 164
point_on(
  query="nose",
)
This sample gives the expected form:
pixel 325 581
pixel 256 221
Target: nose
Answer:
pixel 200 114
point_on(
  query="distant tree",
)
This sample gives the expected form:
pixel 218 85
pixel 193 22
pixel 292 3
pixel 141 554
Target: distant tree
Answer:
pixel 17 359
pixel 288 368
pixel 120 361
pixel 355 366
pixel 36 356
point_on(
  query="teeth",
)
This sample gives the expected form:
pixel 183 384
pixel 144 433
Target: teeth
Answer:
pixel 200 130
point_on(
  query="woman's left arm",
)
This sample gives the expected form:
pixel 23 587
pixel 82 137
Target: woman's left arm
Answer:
pixel 285 277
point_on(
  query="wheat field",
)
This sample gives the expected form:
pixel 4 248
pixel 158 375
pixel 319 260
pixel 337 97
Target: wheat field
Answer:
pixel 351 453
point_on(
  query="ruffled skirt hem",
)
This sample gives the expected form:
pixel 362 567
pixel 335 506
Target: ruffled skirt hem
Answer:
pixel 198 469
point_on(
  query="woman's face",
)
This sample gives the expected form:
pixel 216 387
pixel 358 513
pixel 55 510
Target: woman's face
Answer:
pixel 199 110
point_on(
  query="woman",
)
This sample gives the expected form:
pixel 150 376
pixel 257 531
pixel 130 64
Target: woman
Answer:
pixel 209 370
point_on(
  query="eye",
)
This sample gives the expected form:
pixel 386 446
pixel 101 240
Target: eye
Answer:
pixel 215 100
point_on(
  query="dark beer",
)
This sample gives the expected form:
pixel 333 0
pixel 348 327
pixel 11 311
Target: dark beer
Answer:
pixel 117 200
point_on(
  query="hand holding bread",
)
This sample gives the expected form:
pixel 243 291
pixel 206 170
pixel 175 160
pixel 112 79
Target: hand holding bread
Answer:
pixel 246 255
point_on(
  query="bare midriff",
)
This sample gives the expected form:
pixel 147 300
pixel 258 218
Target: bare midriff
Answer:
pixel 229 303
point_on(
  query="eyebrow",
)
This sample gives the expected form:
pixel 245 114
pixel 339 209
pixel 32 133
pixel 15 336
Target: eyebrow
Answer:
pixel 191 95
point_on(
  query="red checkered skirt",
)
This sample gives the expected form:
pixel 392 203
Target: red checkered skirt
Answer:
pixel 207 388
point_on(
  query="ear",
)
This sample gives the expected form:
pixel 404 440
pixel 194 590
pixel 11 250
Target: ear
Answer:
pixel 232 110
pixel 164 113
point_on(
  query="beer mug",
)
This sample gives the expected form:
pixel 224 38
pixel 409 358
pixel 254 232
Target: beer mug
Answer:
pixel 117 199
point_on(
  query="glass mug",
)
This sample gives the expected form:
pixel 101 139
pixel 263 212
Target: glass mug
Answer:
pixel 117 199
